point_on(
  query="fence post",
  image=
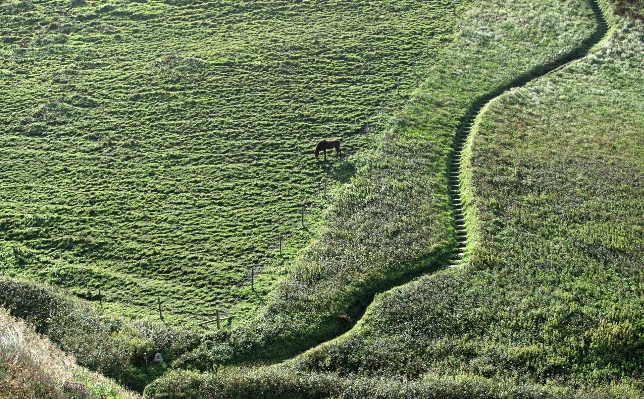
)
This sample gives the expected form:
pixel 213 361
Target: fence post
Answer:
pixel 160 312
pixel 303 210
pixel 218 324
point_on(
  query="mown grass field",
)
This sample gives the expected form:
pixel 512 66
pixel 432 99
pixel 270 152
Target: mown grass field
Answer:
pixel 159 149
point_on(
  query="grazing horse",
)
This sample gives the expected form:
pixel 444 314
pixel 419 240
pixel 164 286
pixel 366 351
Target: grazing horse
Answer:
pixel 327 145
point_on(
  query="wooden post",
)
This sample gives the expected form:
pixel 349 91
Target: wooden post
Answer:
pixel 252 278
pixel 160 312
pixel 100 297
pixel 303 209
pixel 218 324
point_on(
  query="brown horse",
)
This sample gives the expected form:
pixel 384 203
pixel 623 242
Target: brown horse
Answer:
pixel 327 145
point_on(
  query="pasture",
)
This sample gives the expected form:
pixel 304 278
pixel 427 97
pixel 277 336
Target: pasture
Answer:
pixel 158 150
pixel 548 301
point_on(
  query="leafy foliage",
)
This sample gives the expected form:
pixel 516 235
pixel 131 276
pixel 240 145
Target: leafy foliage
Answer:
pixel 112 346
pixel 630 8
pixel 30 366
pixel 272 382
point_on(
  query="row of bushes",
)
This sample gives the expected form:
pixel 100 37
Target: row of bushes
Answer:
pixel 106 344
pixel 32 367
pixel 282 383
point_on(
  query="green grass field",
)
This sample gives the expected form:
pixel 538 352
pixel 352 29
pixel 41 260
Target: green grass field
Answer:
pixel 548 302
pixel 122 169
pixel 395 221
pixel 159 149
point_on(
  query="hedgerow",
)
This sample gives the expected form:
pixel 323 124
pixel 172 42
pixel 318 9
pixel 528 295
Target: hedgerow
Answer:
pixel 112 346
pixel 284 383
pixel 32 367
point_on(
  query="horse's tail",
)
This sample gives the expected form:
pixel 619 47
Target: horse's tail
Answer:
pixel 317 150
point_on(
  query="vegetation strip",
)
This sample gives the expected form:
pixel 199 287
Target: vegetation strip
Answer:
pixel 455 168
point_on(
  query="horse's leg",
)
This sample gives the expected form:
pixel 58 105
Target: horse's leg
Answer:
pixel 325 154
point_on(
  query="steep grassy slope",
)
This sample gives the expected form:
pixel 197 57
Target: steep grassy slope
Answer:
pixel 113 346
pixel 159 148
pixel 551 294
pixel 496 43
pixel 31 367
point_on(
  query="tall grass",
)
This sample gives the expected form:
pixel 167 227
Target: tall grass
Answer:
pixel 394 221
pixel 112 346
pixel 32 367
pixel 283 383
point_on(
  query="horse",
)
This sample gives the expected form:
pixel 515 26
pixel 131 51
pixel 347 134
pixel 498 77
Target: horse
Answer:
pixel 327 145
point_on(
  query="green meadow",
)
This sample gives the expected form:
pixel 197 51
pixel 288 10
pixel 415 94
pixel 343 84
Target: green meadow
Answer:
pixel 480 237
pixel 160 150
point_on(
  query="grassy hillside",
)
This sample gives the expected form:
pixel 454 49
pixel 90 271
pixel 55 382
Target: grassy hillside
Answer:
pixel 32 367
pixel 395 222
pixel 413 330
pixel 549 301
pixel 159 148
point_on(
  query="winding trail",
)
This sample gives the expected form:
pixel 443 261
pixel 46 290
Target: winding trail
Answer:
pixel 479 107
pixel 603 17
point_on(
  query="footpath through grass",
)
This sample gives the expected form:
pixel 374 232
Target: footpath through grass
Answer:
pixel 550 302
pixel 402 184
pixel 160 148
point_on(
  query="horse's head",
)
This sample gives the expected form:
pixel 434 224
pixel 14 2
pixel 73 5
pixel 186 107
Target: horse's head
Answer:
pixel 319 147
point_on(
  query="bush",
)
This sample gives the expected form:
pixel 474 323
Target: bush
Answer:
pixel 114 347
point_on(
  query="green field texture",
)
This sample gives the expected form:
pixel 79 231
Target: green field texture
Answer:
pixel 160 149
pixel 550 299
pixel 548 303
pixel 395 220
